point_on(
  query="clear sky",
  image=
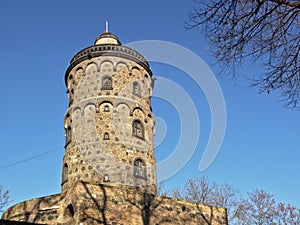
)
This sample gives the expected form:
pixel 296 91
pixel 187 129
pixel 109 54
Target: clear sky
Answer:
pixel 38 40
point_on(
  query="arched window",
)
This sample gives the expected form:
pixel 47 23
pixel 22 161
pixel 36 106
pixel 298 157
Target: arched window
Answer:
pixel 139 168
pixel 136 89
pixel 65 173
pixel 137 129
pixel 107 82
pixel 68 135
pixel 106 136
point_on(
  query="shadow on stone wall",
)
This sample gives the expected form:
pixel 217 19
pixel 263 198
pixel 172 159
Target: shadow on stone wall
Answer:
pixel 105 204
pixel 39 210
pixel 101 206
pixel 108 205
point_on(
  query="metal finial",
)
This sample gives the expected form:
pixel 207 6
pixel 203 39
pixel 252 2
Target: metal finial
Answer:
pixel 106 26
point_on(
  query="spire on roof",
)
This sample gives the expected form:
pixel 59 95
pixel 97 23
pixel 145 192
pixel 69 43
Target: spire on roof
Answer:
pixel 106 26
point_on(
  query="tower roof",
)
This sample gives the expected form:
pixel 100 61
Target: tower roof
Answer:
pixel 107 44
pixel 107 38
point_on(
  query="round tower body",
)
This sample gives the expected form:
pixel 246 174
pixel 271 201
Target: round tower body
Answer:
pixel 109 125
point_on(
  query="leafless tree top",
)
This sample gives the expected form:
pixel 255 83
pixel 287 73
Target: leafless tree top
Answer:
pixel 264 31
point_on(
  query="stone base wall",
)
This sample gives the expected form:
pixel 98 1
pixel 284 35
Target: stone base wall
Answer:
pixel 93 204
pixel 44 210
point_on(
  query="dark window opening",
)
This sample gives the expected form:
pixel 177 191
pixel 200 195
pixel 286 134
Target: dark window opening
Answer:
pixel 106 136
pixel 68 135
pixel 70 209
pixel 65 172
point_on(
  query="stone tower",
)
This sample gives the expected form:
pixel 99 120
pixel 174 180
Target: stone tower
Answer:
pixel 109 167
pixel 109 125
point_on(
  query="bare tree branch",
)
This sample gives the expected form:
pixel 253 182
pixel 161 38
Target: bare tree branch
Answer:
pixel 261 31
pixel 4 198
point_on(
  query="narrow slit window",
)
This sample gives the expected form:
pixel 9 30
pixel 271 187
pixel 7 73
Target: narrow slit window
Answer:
pixel 65 172
pixel 68 135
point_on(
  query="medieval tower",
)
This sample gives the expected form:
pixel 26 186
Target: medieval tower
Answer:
pixel 109 125
pixel 109 166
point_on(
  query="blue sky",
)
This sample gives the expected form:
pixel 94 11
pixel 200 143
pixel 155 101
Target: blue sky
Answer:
pixel 38 40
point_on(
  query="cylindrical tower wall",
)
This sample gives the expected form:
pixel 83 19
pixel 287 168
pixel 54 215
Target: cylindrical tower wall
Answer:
pixel 109 125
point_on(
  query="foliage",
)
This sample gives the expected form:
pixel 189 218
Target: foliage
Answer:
pixel 264 31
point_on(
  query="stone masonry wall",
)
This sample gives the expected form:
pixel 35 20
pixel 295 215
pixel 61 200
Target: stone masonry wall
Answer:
pixel 101 146
pixel 91 204
pixel 44 210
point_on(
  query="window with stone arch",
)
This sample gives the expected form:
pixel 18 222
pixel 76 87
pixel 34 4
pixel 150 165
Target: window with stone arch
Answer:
pixel 107 82
pixel 65 173
pixel 138 129
pixel 136 89
pixel 139 168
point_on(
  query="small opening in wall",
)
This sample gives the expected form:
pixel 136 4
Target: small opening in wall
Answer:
pixel 106 136
pixel 70 209
pixel 106 178
pixel 106 108
pixel 65 172
pixel 68 135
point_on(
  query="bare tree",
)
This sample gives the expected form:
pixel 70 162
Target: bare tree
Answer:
pixel 257 208
pixel 4 198
pixel 287 214
pixel 178 193
pixel 161 190
pixel 228 197
pixel 264 31
pixel 260 208
pixel 203 191
pixel 199 190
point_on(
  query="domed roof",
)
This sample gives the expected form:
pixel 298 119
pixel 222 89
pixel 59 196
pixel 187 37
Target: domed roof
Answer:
pixel 107 38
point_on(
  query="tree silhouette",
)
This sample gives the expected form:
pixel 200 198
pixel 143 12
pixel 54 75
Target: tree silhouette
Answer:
pixel 263 31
